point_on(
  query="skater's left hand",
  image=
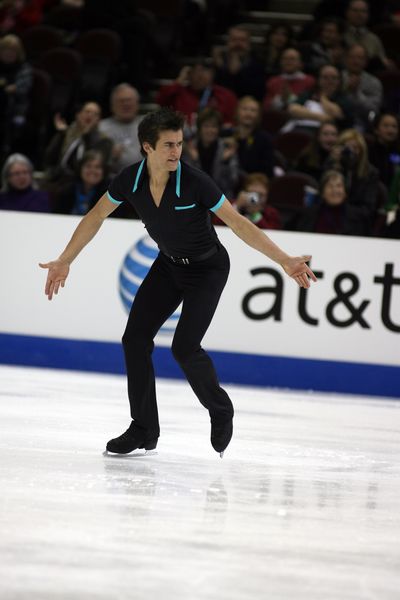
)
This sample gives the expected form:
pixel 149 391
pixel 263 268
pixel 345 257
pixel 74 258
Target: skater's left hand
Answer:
pixel 297 268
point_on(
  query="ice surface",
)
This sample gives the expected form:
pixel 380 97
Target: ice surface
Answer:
pixel 304 504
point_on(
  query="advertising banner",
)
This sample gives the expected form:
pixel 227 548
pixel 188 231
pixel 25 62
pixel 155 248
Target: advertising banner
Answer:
pixel 264 324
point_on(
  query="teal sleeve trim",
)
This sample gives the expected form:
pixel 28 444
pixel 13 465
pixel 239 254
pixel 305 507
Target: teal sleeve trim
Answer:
pixel 219 203
pixel 139 172
pixel 184 207
pixel 178 180
pixel 113 200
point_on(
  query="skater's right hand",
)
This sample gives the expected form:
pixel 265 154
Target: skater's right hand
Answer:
pixel 58 273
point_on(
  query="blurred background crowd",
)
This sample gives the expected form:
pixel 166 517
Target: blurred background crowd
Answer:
pixel 292 106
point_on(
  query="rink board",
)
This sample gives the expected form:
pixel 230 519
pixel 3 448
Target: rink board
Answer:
pixel 341 335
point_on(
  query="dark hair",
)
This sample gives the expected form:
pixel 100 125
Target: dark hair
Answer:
pixel 164 119
pixel 89 156
pixel 331 21
pixel 209 114
pixel 280 25
pixel 327 176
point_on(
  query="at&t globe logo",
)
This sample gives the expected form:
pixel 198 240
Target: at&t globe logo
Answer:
pixel 134 269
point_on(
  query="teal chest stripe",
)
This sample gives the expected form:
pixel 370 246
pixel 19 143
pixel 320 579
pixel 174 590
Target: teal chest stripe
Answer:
pixel 140 169
pixel 184 207
pixel 178 180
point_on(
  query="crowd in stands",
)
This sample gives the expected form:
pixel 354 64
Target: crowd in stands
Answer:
pixel 312 111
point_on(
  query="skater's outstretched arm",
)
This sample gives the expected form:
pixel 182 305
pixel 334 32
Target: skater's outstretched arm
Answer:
pixel 295 266
pixel 86 230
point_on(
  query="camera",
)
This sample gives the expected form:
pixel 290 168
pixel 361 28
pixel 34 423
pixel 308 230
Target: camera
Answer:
pixel 253 198
pixel 347 157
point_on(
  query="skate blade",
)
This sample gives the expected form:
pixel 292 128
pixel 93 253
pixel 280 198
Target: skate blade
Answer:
pixel 221 454
pixel 129 454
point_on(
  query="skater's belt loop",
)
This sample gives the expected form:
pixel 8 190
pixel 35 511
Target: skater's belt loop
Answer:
pixel 180 260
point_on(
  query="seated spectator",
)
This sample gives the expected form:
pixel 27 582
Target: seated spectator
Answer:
pixel 350 156
pixel 194 89
pixel 252 202
pixel 289 84
pixel 357 32
pixel 331 212
pixel 213 154
pixel 279 37
pixel 326 102
pixel 328 47
pixel 237 67
pixel 81 194
pixel 15 87
pixel 71 142
pixel 364 90
pixel 255 149
pixel 313 158
pixel 384 150
pixel 18 191
pixel 121 127
pixel 18 15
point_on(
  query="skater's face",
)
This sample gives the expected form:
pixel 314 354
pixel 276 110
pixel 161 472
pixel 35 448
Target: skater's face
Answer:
pixel 167 152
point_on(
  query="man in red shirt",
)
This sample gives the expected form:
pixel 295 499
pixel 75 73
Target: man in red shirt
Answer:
pixel 194 89
pixel 289 84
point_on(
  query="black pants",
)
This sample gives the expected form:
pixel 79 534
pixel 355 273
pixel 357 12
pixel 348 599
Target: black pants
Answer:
pixel 199 285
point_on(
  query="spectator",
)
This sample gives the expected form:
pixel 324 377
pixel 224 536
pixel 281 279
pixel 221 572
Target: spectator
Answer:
pixel 364 90
pixel 237 67
pixel 279 37
pixel 328 47
pixel 326 102
pixel 313 158
pixel 331 213
pixel 18 15
pixel 350 156
pixel 286 87
pixel 121 127
pixel 18 191
pixel 255 149
pixel 357 32
pixel 392 227
pixel 71 142
pixel 384 150
pixel 252 202
pixel 81 194
pixel 15 87
pixel 213 154
pixel 194 89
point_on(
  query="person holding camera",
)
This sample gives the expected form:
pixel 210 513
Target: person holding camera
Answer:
pixel 350 157
pixel 252 202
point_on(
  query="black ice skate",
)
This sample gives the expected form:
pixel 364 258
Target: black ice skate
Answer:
pixel 132 439
pixel 221 434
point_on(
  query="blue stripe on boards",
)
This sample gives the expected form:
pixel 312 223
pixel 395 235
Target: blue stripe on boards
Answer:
pixel 145 250
pixel 245 369
pixel 136 268
pixel 127 284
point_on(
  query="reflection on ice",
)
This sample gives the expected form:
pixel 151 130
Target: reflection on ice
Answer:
pixel 304 504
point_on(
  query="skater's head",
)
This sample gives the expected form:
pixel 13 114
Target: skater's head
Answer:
pixel 155 123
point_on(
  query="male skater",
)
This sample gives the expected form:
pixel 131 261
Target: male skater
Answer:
pixel 173 200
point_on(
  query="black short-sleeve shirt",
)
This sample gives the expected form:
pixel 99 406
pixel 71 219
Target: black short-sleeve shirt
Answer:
pixel 181 224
